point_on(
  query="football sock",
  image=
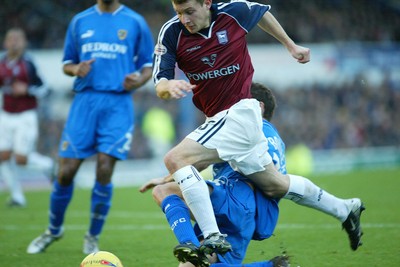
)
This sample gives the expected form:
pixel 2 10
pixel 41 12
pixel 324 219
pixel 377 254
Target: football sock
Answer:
pixel 306 193
pixel 59 201
pixel 178 216
pixel 197 197
pixel 101 203
pixel 9 172
pixel 253 264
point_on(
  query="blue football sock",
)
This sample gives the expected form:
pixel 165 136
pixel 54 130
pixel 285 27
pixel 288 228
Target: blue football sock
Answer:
pixel 178 216
pixel 59 201
pixel 253 264
pixel 101 203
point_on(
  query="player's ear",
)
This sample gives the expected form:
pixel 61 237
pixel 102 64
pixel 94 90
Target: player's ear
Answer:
pixel 262 106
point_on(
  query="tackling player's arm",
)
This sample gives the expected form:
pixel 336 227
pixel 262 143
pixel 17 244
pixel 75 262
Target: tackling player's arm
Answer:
pixel 154 182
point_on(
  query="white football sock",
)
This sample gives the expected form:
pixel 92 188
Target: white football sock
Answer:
pixel 306 193
pixel 197 197
pixel 9 172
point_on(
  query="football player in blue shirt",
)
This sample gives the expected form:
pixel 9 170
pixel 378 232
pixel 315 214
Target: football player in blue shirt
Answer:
pixel 109 49
pixel 242 211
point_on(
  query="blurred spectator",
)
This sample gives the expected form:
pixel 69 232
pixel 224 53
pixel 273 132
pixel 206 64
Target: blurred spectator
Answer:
pixel 315 21
pixel 21 87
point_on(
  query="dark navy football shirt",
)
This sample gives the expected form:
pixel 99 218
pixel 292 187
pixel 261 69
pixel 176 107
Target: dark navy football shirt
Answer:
pixel 216 59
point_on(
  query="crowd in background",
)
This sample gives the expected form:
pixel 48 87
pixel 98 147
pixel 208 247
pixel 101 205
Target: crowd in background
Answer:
pixel 45 21
pixel 355 114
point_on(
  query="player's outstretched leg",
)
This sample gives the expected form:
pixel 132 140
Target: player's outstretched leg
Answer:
pixel 189 252
pixel 352 224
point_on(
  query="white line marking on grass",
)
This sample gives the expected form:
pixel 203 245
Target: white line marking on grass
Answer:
pixel 152 227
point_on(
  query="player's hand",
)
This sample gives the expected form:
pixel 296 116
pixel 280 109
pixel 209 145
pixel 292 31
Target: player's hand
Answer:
pixel 84 67
pixel 175 89
pixel 152 183
pixel 19 88
pixel 132 81
pixel 302 54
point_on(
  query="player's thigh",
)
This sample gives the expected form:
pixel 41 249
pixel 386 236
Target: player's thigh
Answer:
pixel 190 152
pixel 7 130
pixel 26 133
pixel 271 182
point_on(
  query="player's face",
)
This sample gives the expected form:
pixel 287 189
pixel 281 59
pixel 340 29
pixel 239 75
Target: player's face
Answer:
pixel 15 42
pixel 193 15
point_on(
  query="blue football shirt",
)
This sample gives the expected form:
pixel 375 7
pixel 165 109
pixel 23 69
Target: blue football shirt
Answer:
pixel 124 47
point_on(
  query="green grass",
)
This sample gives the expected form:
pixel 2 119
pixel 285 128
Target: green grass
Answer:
pixel 137 233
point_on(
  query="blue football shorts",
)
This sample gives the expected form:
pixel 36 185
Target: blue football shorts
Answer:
pixel 98 122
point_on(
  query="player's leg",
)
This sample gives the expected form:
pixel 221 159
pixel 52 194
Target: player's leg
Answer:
pixel 179 219
pixel 169 198
pixel 60 198
pixel 15 144
pixel 114 129
pixel 347 211
pixel 304 192
pixel 76 144
pixel 181 162
pixel 8 172
pixel 100 201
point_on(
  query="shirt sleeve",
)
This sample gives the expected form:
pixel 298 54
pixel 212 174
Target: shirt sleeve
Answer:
pixel 165 51
pixel 247 14
pixel 144 55
pixel 71 53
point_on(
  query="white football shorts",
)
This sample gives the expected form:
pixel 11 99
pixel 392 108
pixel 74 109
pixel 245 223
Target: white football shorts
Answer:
pixel 237 135
pixel 18 131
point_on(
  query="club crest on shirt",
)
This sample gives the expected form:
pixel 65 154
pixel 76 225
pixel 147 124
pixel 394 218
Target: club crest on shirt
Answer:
pixel 160 50
pixel 222 37
pixel 122 34
pixel 210 61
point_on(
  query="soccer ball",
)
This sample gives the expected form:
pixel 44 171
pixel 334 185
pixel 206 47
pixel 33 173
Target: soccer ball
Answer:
pixel 101 259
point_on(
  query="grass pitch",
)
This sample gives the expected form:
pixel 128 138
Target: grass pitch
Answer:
pixel 136 230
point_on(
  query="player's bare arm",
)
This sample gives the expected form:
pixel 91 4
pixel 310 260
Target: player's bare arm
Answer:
pixel 269 24
pixel 81 69
pixel 135 80
pixel 175 89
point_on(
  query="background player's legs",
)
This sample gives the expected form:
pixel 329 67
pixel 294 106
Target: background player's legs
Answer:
pixel 8 171
pixel 59 200
pixel 100 201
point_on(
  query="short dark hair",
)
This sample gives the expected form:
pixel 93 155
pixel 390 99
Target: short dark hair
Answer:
pixel 264 95
pixel 179 2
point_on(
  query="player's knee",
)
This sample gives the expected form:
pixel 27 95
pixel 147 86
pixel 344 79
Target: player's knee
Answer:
pixel 66 175
pixel 173 161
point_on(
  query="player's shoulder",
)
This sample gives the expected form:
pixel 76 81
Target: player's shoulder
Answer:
pixel 172 27
pixel 269 127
